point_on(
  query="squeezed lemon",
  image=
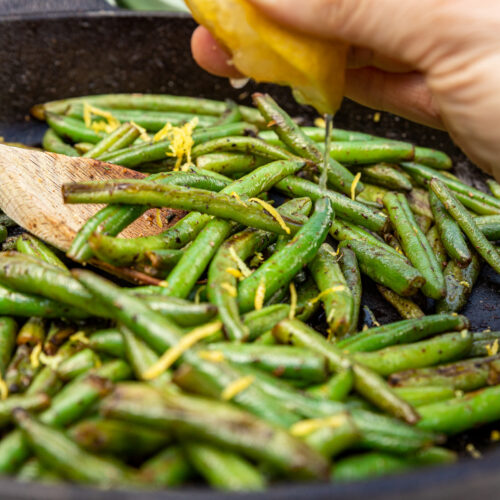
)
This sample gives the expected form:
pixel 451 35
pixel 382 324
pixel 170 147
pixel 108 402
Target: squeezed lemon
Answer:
pixel 267 52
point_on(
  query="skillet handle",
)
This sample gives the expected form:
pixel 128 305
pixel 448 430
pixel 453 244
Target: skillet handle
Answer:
pixel 26 7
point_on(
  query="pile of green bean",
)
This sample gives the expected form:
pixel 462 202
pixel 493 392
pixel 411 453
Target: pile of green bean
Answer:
pixel 241 361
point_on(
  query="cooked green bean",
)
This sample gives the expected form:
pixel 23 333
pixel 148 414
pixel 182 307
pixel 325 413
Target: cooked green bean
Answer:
pixel 406 308
pixel 168 468
pixel 122 137
pixel 53 143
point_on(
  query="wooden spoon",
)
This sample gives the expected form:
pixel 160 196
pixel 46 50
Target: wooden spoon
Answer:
pixel 30 194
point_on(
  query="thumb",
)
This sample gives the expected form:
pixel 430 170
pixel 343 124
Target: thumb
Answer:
pixel 404 30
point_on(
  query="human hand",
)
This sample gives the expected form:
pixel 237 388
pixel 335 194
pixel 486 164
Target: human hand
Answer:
pixel 436 62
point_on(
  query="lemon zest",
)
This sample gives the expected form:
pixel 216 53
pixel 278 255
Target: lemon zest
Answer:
pixel 214 356
pixel 293 301
pixel 473 451
pixel 4 389
pixel 495 436
pixel 35 353
pixel 333 289
pixel 181 140
pixel 260 295
pixel 229 289
pixel 171 355
pixel 235 195
pixel 163 284
pixel 159 222
pixel 245 270
pixel 492 349
pixel 234 388
pixel 234 272
pixel 274 213
pixel 142 131
pixel 109 125
pixel 50 361
pixel 320 122
pixel 79 337
pixel 464 283
pixel 308 426
pixel 354 184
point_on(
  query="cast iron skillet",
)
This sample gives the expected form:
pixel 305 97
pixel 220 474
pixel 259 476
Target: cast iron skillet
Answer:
pixel 62 54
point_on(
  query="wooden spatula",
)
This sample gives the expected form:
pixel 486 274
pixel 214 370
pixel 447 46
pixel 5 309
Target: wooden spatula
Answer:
pixel 30 194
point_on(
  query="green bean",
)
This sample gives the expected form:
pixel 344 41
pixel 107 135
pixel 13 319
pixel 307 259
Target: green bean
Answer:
pixel 83 147
pixel 247 145
pixel 280 268
pixel 282 361
pixel 153 121
pixel 149 102
pixel 433 158
pixel 133 156
pixel 375 464
pixel 368 152
pixel 419 396
pixel 301 145
pixel 73 129
pixel 20 371
pixel 336 295
pixel 437 246
pixel 158 263
pixel 450 233
pixel 462 413
pixel 122 137
pixel 6 221
pixel 345 208
pixel 168 468
pixel 490 226
pixel 55 450
pixel 32 332
pixel 367 382
pixel 385 268
pixel 8 331
pixel 468 375
pixel 336 388
pixel 350 269
pixel 197 257
pixel 260 322
pixel 231 114
pixel 419 202
pixel 494 188
pixel 30 245
pixel 318 134
pixel 57 335
pixel 214 422
pixel 76 365
pixel 115 437
pixel 53 143
pixel 306 305
pixel 459 283
pixel 402 332
pixel 415 245
pixel 229 163
pixel 33 470
pixel 109 342
pixel 224 470
pixel 3 233
pixel 467 224
pixel 440 349
pixel 385 175
pixel 472 198
pixel 406 308
pixel 33 403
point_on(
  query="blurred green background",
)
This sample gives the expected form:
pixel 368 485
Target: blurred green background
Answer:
pixel 168 5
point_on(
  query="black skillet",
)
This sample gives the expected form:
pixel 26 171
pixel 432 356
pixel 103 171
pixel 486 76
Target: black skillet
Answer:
pixel 73 50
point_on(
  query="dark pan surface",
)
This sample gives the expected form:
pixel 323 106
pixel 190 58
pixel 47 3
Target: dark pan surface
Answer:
pixel 44 57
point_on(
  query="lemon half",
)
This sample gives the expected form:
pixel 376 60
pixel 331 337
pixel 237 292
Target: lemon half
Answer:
pixel 268 52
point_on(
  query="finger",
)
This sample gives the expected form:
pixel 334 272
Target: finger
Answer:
pixel 361 57
pixel 404 30
pixel 405 94
pixel 211 56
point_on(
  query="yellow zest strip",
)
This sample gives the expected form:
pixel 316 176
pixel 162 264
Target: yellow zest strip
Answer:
pixel 320 122
pixel 159 222
pixel 89 110
pixel 235 195
pixel 495 436
pixel 35 353
pixel 465 283
pixel 333 254
pixel 170 356
pixel 293 301
pixel 4 390
pixel 214 356
pixel 306 427
pixel 181 140
pixel 163 284
pixel 197 297
pixel 273 212
pixel 245 270
pixel 259 256
pixel 473 451
pixel 229 289
pixel 354 184
pixel 235 272
pixel 79 337
pixel 492 349
pixel 333 289
pixel 234 388
pixel 142 131
pixel 50 361
pixel 260 295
